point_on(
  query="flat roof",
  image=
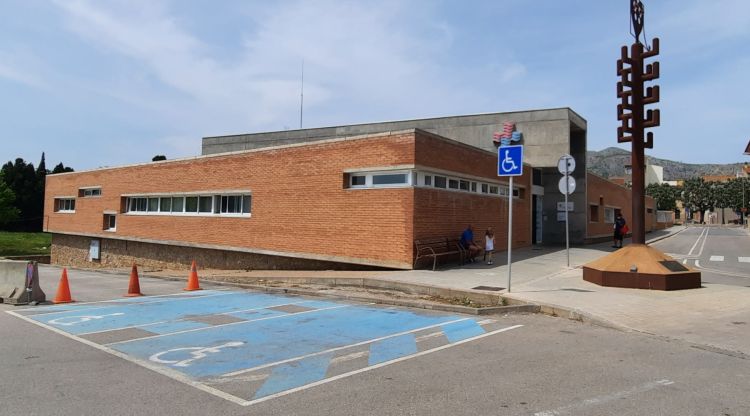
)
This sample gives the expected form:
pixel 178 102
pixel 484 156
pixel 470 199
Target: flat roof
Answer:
pixel 578 121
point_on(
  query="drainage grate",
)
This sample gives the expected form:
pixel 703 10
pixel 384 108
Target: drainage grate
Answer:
pixel 488 288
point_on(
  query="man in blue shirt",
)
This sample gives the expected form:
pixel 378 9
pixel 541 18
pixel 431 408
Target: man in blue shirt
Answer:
pixel 467 242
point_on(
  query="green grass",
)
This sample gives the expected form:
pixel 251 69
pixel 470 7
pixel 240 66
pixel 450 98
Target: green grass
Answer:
pixel 22 244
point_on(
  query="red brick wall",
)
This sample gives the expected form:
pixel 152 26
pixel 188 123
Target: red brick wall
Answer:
pixel 614 196
pixel 299 202
pixel 441 213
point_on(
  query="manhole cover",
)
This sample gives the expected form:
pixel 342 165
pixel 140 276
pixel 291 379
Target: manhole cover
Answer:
pixel 488 288
pixel 673 266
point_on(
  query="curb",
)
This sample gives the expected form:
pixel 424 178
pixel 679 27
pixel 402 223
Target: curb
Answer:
pixel 653 240
pixel 516 307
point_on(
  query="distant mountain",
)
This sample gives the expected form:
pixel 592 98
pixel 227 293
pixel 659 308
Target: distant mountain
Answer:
pixel 612 160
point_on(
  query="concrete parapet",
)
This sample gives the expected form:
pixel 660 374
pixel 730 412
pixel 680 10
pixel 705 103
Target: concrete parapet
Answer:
pixel 19 282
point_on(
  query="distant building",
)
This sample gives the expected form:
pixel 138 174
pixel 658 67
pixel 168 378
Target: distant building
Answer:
pixel 654 174
pixel 718 178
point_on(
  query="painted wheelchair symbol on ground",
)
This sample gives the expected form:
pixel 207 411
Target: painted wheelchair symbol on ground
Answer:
pixel 251 347
pixel 196 353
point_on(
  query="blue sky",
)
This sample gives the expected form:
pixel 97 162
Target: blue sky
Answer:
pixel 106 83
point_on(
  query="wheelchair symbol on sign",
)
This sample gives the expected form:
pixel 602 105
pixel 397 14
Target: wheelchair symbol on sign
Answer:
pixel 196 353
pixel 74 320
pixel 508 165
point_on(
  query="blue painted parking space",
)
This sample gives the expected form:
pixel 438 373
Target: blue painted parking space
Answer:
pixel 248 347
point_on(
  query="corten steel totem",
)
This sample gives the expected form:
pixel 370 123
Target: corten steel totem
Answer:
pixel 631 112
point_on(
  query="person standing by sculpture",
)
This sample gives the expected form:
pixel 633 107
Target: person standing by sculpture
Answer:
pixel 621 229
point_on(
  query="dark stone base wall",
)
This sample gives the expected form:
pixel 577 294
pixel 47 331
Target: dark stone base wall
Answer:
pixel 69 250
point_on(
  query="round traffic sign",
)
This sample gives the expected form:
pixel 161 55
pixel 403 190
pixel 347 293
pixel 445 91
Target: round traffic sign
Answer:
pixel 566 164
pixel 571 181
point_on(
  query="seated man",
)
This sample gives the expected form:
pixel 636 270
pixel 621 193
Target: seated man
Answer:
pixel 467 242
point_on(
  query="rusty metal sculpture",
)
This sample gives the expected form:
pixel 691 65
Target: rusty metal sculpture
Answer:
pixel 639 265
pixel 630 112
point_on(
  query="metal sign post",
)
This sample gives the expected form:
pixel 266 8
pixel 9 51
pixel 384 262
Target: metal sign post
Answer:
pixel 566 165
pixel 510 164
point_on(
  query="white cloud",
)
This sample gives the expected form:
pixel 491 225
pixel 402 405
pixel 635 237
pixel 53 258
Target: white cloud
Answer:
pixel 361 60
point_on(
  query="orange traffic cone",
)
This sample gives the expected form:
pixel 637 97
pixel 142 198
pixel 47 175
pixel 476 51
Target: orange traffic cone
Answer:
pixel 192 283
pixel 63 289
pixel 134 288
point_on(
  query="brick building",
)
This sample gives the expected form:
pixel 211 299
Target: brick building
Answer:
pixel 337 197
pixel 606 199
pixel 357 201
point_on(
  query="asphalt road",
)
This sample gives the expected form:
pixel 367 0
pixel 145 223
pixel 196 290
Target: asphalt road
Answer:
pixel 720 253
pixel 548 366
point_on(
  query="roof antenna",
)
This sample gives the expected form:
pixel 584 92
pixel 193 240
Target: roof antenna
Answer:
pixel 302 94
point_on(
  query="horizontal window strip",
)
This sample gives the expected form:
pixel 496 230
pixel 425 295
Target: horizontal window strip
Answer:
pixel 203 204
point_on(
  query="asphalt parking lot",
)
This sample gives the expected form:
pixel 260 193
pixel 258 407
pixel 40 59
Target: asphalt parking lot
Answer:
pixel 249 347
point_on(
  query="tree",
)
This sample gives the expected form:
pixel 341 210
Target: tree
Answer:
pixel 738 194
pixel 158 158
pixel 21 178
pixel 60 168
pixel 697 195
pixel 664 194
pixel 8 211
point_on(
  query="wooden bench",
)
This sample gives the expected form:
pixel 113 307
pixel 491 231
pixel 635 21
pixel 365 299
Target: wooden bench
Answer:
pixel 437 247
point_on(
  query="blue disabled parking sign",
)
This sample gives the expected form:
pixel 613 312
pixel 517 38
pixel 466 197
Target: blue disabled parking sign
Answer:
pixel 510 160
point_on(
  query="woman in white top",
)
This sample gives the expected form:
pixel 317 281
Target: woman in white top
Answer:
pixel 489 244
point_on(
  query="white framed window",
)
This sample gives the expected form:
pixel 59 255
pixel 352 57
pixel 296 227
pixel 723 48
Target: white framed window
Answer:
pixel 358 181
pixel 205 205
pixel 65 205
pixel 387 179
pixel 110 222
pixel 235 204
pixel 609 215
pixel 419 178
pixel 89 192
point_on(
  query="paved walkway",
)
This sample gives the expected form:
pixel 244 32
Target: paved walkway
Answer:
pixel 715 316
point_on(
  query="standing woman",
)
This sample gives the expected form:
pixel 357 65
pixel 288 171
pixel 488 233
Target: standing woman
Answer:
pixel 620 230
pixel 489 244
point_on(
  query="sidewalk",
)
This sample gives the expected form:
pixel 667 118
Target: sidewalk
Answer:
pixel 714 317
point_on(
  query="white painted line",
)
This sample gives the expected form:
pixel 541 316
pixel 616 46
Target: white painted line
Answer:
pixel 703 245
pixel 743 259
pixel 223 325
pixel 124 300
pixel 716 258
pixel 348 357
pixel 486 321
pixel 376 366
pixel 690 253
pixel 116 304
pixel 684 261
pixel 721 272
pixel 697 263
pixel 153 367
pixel 428 336
pixel 343 347
pixel 600 400
pixel 249 378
